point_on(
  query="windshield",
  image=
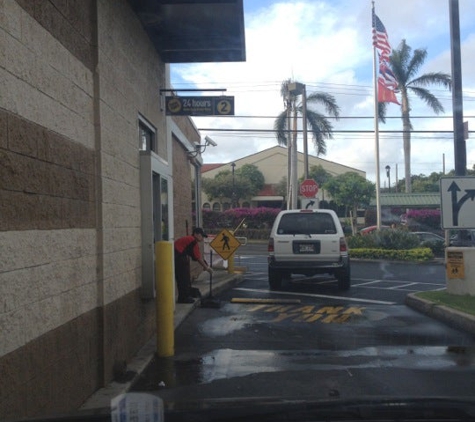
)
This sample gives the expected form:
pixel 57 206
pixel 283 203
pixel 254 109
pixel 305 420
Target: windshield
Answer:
pixel 147 151
pixel 306 224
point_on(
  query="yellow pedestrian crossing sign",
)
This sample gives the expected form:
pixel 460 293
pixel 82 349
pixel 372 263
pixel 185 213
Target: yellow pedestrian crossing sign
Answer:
pixel 225 244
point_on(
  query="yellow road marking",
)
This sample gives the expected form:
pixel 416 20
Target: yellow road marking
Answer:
pixel 266 301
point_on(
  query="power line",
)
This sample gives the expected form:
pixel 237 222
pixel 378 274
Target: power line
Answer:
pixel 344 117
pixel 333 131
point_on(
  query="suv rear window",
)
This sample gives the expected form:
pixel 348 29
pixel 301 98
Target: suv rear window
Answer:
pixel 306 223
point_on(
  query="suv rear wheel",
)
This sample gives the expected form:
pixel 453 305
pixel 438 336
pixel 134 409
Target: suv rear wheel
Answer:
pixel 344 278
pixel 275 279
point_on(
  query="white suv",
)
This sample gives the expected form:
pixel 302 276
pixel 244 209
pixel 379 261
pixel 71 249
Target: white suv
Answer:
pixel 308 242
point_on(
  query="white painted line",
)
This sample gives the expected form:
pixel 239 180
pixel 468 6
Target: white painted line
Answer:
pixel 401 287
pixel 365 284
pixel 350 299
pixel 389 288
pixel 353 284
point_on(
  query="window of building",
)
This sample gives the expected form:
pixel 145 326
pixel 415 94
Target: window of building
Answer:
pixel 226 206
pixel 206 206
pixel 147 136
pixel 216 206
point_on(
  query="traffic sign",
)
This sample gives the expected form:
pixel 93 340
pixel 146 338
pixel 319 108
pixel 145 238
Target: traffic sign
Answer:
pixel 457 198
pixel 309 204
pixel 309 188
pixel 455 265
pixel 225 244
pixel 199 106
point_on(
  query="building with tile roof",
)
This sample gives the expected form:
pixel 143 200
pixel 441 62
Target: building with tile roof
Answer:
pixel 273 164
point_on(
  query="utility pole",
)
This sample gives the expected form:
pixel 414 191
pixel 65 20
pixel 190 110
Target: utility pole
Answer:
pixel 460 151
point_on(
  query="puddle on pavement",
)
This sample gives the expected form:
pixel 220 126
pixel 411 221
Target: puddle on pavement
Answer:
pixel 226 325
pixel 187 369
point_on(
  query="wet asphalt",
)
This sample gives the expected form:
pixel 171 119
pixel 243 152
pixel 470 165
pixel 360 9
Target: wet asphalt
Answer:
pixel 329 344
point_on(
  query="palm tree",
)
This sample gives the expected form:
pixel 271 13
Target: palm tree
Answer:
pixel 405 67
pixel 320 126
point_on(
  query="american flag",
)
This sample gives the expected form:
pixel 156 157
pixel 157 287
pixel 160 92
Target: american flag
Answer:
pixel 380 38
pixel 387 83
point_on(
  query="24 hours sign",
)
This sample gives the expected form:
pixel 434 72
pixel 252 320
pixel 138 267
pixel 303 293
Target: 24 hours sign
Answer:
pixel 199 106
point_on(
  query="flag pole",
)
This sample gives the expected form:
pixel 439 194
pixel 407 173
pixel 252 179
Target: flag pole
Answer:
pixel 376 126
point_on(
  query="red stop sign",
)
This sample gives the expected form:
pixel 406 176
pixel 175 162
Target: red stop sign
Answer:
pixel 309 188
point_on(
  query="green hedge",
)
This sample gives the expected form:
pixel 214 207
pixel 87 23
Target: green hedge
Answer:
pixel 417 254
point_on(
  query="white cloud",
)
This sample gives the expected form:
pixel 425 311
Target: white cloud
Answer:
pixel 327 45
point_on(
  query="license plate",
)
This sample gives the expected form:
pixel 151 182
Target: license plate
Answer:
pixel 306 248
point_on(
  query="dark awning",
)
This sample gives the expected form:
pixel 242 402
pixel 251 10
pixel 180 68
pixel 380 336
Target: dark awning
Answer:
pixel 186 31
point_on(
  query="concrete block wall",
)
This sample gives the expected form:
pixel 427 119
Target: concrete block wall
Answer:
pixel 48 236
pixel 70 246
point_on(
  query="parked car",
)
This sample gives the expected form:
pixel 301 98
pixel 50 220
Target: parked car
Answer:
pixel 371 229
pixel 307 242
pixel 429 237
pixel 463 238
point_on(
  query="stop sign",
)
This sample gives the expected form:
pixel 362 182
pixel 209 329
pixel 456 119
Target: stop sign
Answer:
pixel 309 188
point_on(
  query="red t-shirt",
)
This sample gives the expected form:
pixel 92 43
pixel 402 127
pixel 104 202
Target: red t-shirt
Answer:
pixel 183 245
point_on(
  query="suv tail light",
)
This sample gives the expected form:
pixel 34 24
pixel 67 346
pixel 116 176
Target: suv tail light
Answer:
pixel 343 245
pixel 270 246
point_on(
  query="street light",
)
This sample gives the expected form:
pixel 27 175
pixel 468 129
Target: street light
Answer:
pixel 297 88
pixel 388 174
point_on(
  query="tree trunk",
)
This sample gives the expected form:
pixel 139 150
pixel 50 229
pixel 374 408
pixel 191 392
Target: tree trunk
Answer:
pixel 406 136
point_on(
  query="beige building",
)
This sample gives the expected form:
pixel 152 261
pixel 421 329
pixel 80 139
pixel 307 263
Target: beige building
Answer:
pixel 90 171
pixel 273 164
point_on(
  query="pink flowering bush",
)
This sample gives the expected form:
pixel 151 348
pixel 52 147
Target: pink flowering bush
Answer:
pixel 425 219
pixel 254 218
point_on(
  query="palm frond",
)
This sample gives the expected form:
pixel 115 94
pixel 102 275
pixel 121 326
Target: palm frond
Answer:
pixel 416 62
pixel 433 78
pixel 399 61
pixel 321 129
pixel 281 128
pixel 429 98
pixel 327 100
pixel 382 110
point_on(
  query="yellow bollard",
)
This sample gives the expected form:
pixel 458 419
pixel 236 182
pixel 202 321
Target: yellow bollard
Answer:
pixel 231 264
pixel 165 301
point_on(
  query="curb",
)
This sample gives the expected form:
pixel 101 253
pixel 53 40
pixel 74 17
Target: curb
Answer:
pixel 452 317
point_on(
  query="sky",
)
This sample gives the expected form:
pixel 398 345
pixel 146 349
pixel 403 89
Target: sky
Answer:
pixel 327 45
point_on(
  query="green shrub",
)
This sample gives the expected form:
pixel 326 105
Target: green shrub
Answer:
pixel 358 241
pixel 395 239
pixel 417 254
pixel 437 247
pixel 385 239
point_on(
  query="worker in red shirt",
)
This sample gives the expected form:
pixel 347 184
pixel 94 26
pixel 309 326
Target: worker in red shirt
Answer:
pixel 187 247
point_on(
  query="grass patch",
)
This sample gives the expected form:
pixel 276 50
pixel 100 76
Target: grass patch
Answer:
pixel 464 303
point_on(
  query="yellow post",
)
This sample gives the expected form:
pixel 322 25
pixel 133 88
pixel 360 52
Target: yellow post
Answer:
pixel 164 298
pixel 231 264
